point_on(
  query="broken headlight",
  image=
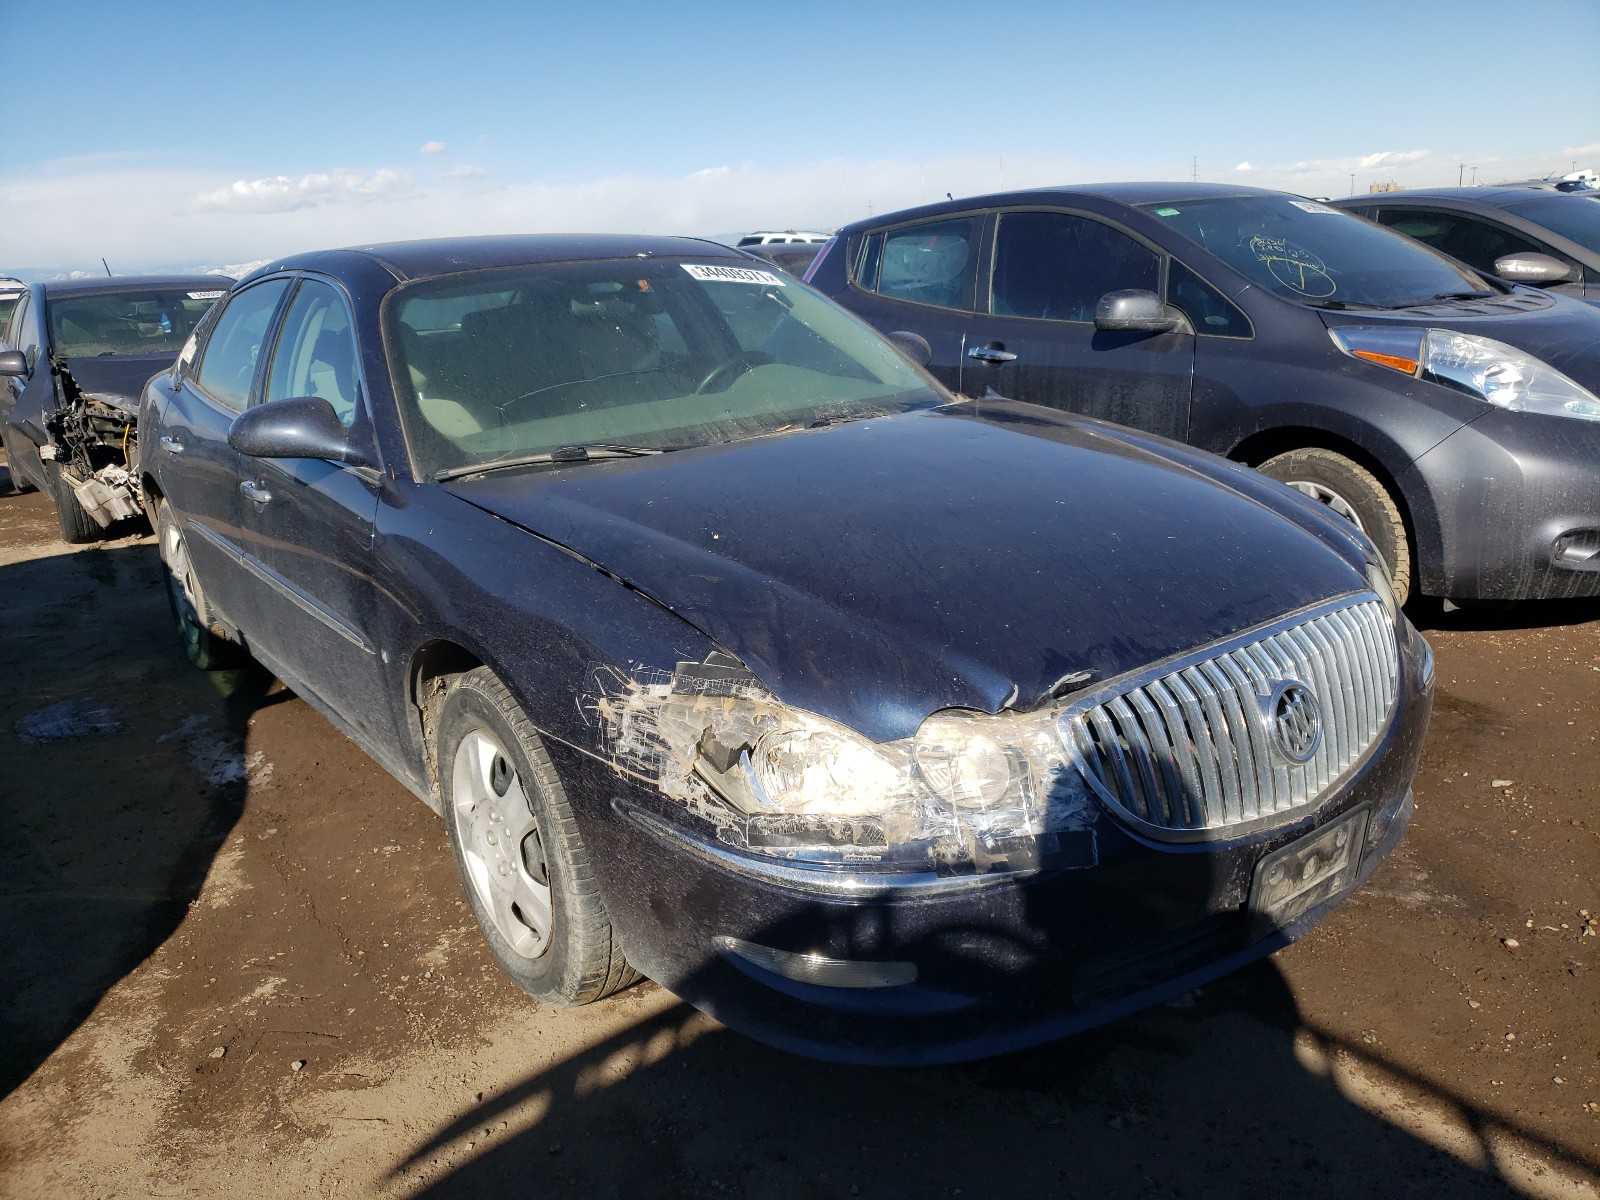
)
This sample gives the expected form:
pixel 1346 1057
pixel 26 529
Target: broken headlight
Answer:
pixel 969 791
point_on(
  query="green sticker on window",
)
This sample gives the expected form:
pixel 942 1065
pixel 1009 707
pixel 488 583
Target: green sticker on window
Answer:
pixel 1166 212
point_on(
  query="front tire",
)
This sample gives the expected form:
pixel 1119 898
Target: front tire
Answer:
pixel 77 526
pixel 523 863
pixel 198 628
pixel 1356 494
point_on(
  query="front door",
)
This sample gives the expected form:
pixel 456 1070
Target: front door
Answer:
pixel 1036 339
pixel 307 524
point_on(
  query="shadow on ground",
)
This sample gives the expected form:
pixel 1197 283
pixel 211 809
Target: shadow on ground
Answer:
pixel 1230 1098
pixel 113 808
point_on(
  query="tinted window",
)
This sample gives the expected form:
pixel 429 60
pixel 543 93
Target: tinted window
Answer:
pixel 17 328
pixel 1208 310
pixel 1057 266
pixel 1576 218
pixel 930 264
pixel 235 343
pixel 1474 241
pixel 871 255
pixel 7 305
pixel 316 352
pixel 1307 252
pixel 135 322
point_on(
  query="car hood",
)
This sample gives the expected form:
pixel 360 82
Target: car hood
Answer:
pixel 973 555
pixel 117 379
pixel 1562 331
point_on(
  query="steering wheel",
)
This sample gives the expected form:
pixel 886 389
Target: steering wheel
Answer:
pixel 721 376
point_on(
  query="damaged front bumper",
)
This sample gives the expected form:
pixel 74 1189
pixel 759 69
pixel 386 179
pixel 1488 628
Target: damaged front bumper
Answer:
pixel 863 964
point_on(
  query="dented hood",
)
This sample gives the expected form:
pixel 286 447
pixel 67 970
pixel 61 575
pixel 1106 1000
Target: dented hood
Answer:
pixel 877 571
pixel 117 379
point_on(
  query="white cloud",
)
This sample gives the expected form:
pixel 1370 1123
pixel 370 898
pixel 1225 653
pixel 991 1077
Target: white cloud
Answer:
pixel 464 171
pixel 282 194
pixel 432 147
pixel 1581 151
pixel 145 218
pixel 1244 166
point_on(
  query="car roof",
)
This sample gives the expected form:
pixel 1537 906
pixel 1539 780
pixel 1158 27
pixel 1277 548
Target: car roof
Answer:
pixel 129 283
pixel 447 256
pixel 1492 197
pixel 1118 193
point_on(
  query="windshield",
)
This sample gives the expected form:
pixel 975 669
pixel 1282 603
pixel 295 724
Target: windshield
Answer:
pixel 1574 217
pixel 1308 252
pixel 647 353
pixel 146 321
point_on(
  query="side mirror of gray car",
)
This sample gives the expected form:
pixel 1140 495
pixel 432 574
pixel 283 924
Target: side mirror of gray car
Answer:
pixel 913 345
pixel 1133 310
pixel 13 362
pixel 297 427
pixel 1529 267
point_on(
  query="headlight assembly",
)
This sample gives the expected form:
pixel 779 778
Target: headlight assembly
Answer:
pixel 970 791
pixel 1492 371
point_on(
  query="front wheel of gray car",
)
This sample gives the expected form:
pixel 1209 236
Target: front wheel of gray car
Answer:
pixel 522 861
pixel 1354 493
pixel 198 629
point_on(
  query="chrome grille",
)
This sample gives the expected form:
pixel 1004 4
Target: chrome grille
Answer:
pixel 1188 748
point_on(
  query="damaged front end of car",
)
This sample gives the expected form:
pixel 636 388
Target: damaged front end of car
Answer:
pixel 970 794
pixel 93 440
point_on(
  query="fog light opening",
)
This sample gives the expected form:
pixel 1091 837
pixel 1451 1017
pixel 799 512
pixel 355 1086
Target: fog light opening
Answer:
pixel 1577 547
pixel 818 970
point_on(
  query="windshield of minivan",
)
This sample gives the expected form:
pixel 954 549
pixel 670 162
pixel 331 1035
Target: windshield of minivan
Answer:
pixel 1575 217
pixel 1308 252
pixel 650 354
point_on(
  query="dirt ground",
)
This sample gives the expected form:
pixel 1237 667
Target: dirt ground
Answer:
pixel 236 962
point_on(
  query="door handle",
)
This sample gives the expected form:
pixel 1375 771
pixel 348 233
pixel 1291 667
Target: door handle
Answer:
pixel 171 444
pixel 992 355
pixel 254 492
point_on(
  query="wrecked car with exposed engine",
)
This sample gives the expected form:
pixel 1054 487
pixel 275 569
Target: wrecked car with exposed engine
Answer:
pixel 734 651
pixel 75 357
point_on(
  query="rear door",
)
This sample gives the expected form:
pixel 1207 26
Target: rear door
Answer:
pixel 198 471
pixel 921 277
pixel 1035 339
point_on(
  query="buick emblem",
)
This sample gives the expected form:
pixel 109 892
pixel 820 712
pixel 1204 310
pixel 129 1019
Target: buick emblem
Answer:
pixel 1294 721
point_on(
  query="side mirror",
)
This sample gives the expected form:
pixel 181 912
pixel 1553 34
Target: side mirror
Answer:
pixel 13 362
pixel 298 427
pixel 1518 268
pixel 1133 310
pixel 913 345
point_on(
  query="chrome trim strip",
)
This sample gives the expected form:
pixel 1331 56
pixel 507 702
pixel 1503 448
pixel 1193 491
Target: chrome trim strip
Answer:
pixel 300 599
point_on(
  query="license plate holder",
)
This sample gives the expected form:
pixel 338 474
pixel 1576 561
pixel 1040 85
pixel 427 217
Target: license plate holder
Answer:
pixel 1308 871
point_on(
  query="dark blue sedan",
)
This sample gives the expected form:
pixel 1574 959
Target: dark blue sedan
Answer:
pixel 736 652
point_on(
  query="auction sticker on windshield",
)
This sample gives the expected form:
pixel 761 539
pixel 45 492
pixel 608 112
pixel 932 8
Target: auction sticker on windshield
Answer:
pixel 707 274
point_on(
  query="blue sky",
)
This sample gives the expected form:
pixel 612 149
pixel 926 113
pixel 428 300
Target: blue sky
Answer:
pixel 188 134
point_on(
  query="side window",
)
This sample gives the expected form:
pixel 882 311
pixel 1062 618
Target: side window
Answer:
pixel 866 272
pixel 930 263
pixel 1208 310
pixel 229 361
pixel 17 328
pixel 1057 266
pixel 316 352
pixel 1476 243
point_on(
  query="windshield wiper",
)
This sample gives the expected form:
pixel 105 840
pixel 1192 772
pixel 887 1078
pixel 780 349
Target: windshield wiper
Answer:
pixel 561 454
pixel 1338 305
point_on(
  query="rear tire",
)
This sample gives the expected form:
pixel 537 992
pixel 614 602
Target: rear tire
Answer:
pixel 1354 493
pixel 523 863
pixel 198 628
pixel 77 526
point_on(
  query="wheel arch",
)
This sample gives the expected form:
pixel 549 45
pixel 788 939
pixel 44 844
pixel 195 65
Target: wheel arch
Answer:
pixel 434 666
pixel 1396 471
